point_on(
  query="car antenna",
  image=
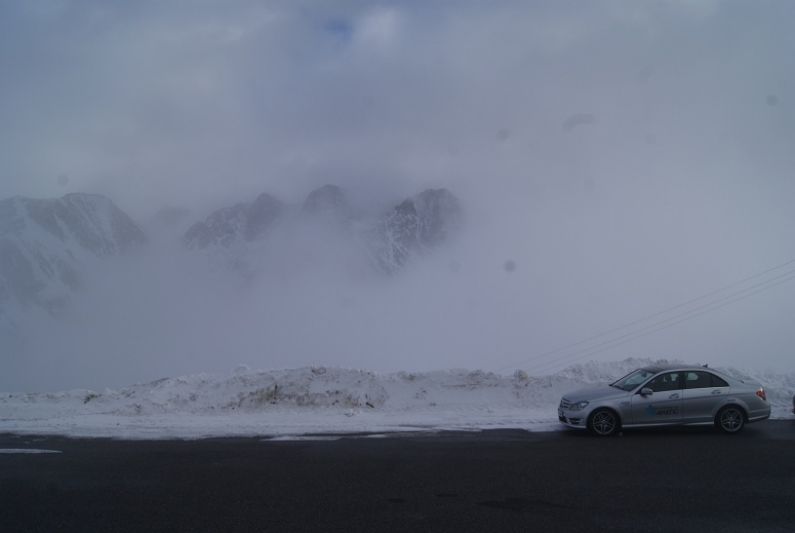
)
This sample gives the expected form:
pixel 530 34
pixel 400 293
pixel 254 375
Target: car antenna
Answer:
pixel 706 365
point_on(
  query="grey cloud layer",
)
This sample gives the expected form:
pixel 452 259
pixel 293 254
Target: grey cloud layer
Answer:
pixel 625 155
pixel 165 97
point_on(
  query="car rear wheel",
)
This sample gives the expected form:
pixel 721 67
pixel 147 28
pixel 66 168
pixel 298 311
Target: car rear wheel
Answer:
pixel 603 422
pixel 730 419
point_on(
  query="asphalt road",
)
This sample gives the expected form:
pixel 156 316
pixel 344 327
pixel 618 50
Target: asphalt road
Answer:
pixel 673 480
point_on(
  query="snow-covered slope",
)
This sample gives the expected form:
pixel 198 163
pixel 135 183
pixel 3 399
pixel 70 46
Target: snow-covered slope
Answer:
pixel 321 400
pixel 46 244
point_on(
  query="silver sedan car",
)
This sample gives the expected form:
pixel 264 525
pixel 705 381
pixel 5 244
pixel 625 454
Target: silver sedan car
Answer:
pixel 659 396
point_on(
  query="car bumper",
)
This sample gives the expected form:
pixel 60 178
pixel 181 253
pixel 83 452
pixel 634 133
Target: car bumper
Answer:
pixel 573 419
pixel 761 413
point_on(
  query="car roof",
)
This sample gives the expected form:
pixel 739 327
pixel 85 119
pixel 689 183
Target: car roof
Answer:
pixel 662 368
pixel 696 368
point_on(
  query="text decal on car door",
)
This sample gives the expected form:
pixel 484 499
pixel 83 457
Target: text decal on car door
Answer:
pixel 663 411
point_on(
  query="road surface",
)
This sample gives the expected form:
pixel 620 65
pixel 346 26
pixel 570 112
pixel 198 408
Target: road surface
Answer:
pixel 508 480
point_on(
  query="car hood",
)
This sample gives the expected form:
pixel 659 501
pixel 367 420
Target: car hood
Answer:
pixel 600 392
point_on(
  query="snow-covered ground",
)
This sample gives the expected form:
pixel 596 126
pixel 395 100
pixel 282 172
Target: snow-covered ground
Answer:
pixel 321 400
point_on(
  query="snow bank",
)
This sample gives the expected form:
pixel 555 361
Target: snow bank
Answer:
pixel 324 400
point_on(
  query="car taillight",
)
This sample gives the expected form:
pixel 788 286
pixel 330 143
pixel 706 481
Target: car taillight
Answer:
pixel 761 393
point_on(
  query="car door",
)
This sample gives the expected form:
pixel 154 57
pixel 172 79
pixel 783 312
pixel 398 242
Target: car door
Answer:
pixel 703 393
pixel 664 405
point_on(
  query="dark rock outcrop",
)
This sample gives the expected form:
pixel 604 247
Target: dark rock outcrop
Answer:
pixel 416 225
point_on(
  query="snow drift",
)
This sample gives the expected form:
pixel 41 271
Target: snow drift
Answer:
pixel 323 400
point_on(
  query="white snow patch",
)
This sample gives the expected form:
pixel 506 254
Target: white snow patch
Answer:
pixel 26 451
pixel 319 400
pixel 303 438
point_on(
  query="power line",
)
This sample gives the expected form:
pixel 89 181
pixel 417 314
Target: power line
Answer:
pixel 659 313
pixel 667 323
pixel 760 286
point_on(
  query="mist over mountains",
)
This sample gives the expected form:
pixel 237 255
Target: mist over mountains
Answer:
pixel 613 161
pixel 46 245
pixel 75 269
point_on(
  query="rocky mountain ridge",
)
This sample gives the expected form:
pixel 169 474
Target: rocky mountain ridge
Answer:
pixel 46 245
pixel 241 222
pixel 411 228
pixel 416 225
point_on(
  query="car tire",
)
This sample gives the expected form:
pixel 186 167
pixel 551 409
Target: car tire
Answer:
pixel 730 419
pixel 604 422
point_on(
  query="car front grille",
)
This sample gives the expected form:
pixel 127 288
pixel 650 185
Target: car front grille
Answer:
pixel 564 403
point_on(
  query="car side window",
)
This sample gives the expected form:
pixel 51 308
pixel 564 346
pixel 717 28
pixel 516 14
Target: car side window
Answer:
pixel 698 380
pixel 665 382
pixel 718 382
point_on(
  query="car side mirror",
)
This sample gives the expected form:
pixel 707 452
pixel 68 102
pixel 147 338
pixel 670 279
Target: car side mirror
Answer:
pixel 646 391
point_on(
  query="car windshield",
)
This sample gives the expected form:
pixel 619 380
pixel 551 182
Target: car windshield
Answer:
pixel 632 380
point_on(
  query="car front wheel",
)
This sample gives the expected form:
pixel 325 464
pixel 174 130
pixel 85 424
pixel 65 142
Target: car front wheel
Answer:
pixel 730 419
pixel 603 422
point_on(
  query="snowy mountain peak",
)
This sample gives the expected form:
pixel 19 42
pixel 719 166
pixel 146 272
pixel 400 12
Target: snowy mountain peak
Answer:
pixel 90 221
pixel 417 224
pixel 235 235
pixel 327 200
pixel 261 214
pixel 44 244
pixel 242 222
pixel 438 214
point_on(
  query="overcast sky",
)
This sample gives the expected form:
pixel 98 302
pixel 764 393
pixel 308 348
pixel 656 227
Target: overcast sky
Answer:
pixel 627 156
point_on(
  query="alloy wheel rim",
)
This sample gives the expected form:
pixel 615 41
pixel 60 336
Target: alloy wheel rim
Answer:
pixel 604 423
pixel 730 420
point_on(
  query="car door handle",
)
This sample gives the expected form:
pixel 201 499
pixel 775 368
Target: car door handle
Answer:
pixel 716 392
pixel 673 396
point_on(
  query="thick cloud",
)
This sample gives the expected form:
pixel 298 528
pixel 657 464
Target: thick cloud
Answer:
pixel 623 157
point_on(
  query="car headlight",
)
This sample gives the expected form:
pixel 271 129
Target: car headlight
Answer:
pixel 579 406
